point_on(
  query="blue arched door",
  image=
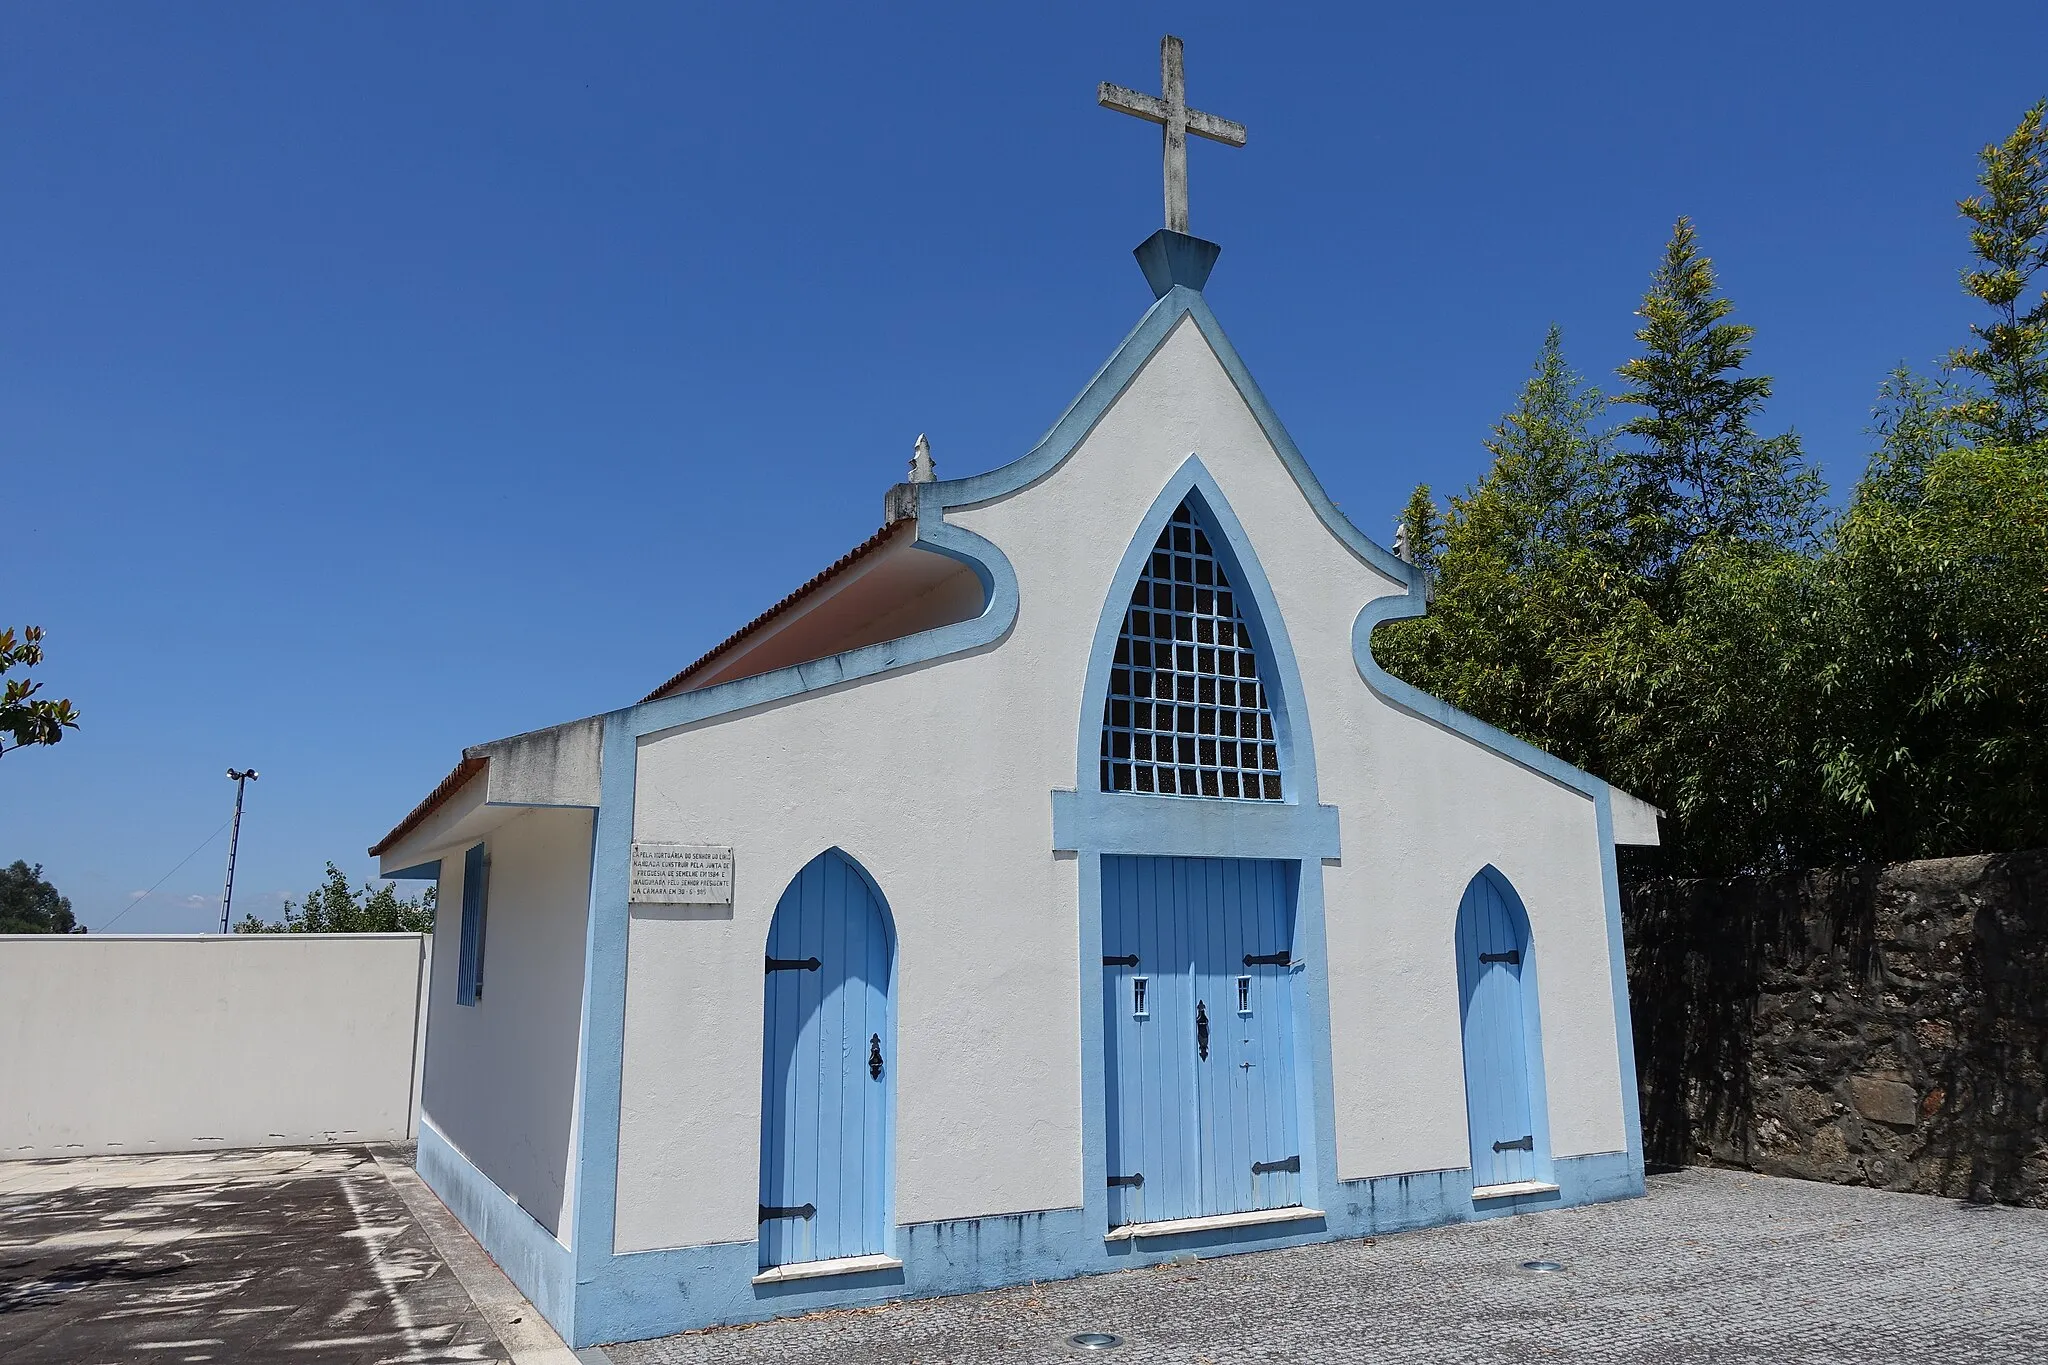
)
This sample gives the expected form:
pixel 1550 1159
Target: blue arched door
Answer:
pixel 827 1078
pixel 1496 985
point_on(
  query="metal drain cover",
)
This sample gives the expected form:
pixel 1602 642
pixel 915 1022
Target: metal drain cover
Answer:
pixel 1543 1267
pixel 1095 1341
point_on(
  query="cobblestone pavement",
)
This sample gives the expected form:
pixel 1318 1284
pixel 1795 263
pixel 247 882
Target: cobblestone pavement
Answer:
pixel 223 1256
pixel 1713 1266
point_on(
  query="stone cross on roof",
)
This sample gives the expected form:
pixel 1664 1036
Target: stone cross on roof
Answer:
pixel 1169 109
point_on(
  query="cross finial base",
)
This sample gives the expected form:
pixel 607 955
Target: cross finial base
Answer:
pixel 1171 258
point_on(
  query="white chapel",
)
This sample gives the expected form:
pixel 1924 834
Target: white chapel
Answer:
pixel 1054 884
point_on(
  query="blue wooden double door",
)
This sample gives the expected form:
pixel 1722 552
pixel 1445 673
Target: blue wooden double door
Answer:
pixel 1198 1022
pixel 827 1085
pixel 1503 1050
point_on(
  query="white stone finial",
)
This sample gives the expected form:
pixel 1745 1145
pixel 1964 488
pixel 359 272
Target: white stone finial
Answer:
pixel 1402 548
pixel 921 462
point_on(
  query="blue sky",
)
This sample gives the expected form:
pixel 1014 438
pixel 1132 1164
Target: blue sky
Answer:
pixel 376 380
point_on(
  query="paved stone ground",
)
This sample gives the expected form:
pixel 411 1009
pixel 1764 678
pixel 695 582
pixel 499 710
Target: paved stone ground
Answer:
pixel 306 1256
pixel 1714 1266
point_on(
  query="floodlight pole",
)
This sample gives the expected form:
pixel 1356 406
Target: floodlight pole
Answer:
pixel 227 896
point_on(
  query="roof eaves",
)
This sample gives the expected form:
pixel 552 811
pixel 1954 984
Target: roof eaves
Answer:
pixel 472 763
pixel 733 641
pixel 475 761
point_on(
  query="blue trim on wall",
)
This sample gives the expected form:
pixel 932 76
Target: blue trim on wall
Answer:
pixel 1617 975
pixel 1190 827
pixel 527 1253
pixel 604 1028
pixel 418 872
pixel 1108 385
pixel 620 1296
pixel 1193 484
pixel 1442 714
pixel 1297 829
pixel 652 1293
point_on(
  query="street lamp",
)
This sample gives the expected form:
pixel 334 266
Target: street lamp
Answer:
pixel 227 897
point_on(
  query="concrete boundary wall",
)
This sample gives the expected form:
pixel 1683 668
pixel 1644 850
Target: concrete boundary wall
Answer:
pixel 158 1043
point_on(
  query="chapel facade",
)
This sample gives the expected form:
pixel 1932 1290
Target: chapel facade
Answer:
pixel 1054 884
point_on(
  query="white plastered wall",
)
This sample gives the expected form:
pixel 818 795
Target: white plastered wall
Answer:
pixel 116 1043
pixel 937 779
pixel 500 1080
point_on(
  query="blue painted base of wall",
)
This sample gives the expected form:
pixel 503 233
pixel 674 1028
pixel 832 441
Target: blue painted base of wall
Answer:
pixel 527 1252
pixel 654 1293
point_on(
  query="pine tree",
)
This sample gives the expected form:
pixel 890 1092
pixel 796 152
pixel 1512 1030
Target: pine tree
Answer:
pixel 2009 233
pixel 1525 571
pixel 1421 530
pixel 1697 471
pixel 1547 621
pixel 1553 472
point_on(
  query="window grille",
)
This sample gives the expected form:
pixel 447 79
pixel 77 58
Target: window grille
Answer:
pixel 1187 713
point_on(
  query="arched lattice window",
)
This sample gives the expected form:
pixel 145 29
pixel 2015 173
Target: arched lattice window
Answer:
pixel 1187 713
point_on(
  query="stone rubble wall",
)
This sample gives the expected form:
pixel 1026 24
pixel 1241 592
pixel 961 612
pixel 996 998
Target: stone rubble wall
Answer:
pixel 1882 1026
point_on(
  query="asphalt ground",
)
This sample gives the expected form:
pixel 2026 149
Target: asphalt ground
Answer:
pixel 1713 1266
pixel 290 1255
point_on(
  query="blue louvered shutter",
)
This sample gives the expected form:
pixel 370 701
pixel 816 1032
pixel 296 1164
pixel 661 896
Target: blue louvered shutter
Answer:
pixel 469 973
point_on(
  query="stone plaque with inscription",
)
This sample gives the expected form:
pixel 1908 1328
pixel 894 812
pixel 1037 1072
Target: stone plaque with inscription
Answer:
pixel 681 874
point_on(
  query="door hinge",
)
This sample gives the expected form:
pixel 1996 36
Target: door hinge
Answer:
pixel 769 1212
pixel 1292 1163
pixel 1524 1143
pixel 1130 961
pixel 1512 958
pixel 792 964
pixel 1282 959
pixel 1127 1182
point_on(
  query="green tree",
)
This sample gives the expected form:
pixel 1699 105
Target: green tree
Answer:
pixel 1644 631
pixel 1704 692
pixel 1707 715
pixel 2009 233
pixel 30 905
pixel 23 718
pixel 1934 635
pixel 1916 421
pixel 1696 470
pixel 1527 572
pixel 1554 474
pixel 1672 613
pixel 1420 535
pixel 332 908
pixel 1931 615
